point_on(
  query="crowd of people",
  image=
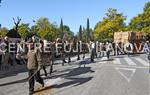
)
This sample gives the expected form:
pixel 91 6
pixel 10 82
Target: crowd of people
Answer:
pixel 97 49
pixel 36 60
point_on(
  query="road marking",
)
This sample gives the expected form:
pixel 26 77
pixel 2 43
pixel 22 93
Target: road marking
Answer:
pixel 129 61
pixel 117 61
pixel 127 66
pixel 145 63
pixel 126 69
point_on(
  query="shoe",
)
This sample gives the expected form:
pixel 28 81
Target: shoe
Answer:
pixel 92 60
pixel 78 58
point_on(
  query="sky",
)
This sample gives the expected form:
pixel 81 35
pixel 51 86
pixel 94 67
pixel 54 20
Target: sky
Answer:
pixel 73 12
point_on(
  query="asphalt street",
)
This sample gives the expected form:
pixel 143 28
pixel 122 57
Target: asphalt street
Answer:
pixel 121 75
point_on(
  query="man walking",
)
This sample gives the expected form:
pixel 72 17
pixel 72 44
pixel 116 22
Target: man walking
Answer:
pixel 34 66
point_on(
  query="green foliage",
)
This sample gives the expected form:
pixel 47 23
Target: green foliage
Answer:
pixel 84 34
pixel 45 29
pixel 68 34
pixel 80 36
pixel 88 30
pixel 64 32
pixel 50 31
pixel 3 32
pixel 34 29
pixel 113 22
pixel 61 29
pixel 142 21
pixel 23 30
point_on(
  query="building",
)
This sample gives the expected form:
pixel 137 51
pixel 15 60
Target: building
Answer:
pixel 13 36
pixel 128 36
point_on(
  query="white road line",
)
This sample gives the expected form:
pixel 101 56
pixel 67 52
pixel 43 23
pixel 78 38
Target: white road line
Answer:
pixel 128 66
pixel 116 61
pixel 126 69
pixel 145 63
pixel 129 61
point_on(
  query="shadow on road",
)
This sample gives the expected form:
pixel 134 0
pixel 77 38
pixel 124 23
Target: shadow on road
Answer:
pixel 73 72
pixel 73 82
pixel 73 77
pixel 14 82
pixel 13 71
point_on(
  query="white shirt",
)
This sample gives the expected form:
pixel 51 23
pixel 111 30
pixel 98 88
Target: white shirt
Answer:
pixel 93 45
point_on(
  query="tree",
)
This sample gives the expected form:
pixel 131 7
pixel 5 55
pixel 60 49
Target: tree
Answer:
pixel 23 30
pixel 68 34
pixel 147 6
pixel 45 29
pixel 142 21
pixel 61 29
pixel 80 33
pixel 113 22
pixel 3 32
pixel 34 29
pixel 17 23
pixel 53 33
pixel 88 37
pixel 84 35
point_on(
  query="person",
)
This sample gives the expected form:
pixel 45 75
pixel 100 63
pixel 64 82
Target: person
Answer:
pixel 78 53
pixel 108 50
pixel 148 57
pixel 96 49
pixel 103 49
pixel 52 57
pixel 149 60
pixel 92 51
pixel 63 53
pixel 129 49
pixel 0 55
pixel 45 55
pixel 6 55
pixel 68 48
pixel 34 66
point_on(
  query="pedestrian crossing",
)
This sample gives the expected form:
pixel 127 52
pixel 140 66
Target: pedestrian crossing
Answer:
pixel 136 61
pixel 117 61
pixel 129 61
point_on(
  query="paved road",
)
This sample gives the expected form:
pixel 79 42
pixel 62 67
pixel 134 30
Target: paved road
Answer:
pixel 121 75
